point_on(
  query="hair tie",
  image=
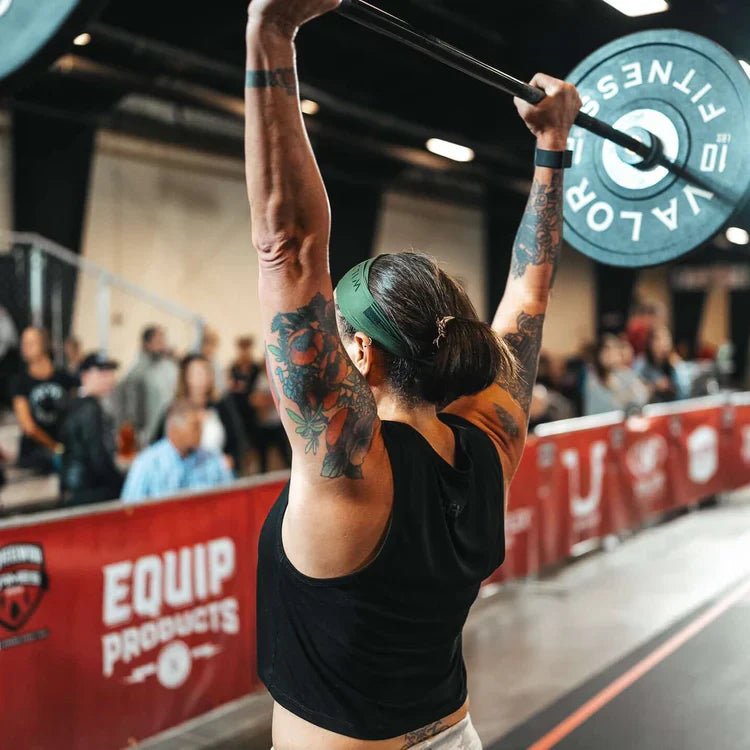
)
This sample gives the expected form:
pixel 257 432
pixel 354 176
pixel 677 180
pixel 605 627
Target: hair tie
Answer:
pixel 442 324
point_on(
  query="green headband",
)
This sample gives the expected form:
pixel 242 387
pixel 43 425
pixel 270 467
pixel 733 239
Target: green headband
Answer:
pixel 358 306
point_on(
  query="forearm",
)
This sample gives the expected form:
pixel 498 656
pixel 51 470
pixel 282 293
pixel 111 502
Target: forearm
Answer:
pixel 29 427
pixel 536 253
pixel 38 435
pixel 287 196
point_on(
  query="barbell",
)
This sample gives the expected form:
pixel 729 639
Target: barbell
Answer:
pixel 662 180
pixel 675 166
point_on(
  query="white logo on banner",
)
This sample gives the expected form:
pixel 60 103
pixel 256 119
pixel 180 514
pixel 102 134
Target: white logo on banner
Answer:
pixel 703 454
pixel 165 589
pixel 646 460
pixel 516 522
pixel 5 6
pixel 585 505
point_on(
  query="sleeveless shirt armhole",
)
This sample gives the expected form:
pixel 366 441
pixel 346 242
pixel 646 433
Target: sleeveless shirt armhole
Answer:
pixel 464 423
pixel 338 580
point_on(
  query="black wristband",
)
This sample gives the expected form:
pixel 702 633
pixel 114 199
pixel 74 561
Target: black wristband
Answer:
pixel 553 159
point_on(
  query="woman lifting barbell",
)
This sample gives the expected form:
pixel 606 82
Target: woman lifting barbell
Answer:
pixel 407 417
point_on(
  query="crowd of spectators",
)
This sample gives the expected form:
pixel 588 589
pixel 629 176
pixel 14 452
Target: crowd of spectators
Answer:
pixel 623 371
pixel 172 425
pixel 168 425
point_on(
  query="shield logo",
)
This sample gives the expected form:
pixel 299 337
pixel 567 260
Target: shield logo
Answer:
pixel 23 581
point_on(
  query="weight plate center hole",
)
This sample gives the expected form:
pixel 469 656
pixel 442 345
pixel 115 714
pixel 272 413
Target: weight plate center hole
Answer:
pixel 625 167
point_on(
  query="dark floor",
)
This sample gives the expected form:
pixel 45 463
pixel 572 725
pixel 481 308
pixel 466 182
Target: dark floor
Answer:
pixel 697 697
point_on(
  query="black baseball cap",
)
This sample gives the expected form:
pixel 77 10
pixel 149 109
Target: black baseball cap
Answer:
pixel 97 361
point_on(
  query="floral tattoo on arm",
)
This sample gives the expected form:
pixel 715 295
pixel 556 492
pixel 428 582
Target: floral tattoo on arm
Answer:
pixel 333 407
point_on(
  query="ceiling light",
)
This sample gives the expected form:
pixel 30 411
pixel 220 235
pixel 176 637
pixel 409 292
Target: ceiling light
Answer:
pixel 639 7
pixel 309 107
pixel 738 236
pixel 82 40
pixel 450 150
pixel 745 67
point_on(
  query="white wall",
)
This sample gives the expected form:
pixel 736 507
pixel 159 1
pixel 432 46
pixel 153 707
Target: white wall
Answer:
pixel 570 320
pixel 176 223
pixel 714 327
pixel 6 175
pixel 653 286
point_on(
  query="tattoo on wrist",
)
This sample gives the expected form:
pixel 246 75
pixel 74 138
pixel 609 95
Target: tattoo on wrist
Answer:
pixel 539 237
pixel 280 78
pixel 526 344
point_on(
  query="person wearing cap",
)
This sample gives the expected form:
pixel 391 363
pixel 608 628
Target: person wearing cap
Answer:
pixel 89 472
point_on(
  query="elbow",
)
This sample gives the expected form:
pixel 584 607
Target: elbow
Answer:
pixel 284 231
pixel 285 249
pixel 277 248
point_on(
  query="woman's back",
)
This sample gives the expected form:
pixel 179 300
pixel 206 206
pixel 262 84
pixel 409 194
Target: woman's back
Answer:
pixel 400 618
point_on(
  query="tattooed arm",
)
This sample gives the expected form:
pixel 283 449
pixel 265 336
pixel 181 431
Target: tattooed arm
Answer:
pixel 503 410
pixel 326 406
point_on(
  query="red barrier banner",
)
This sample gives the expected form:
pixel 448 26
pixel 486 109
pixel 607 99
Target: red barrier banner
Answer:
pixel 552 511
pixel 646 467
pixel 695 469
pixel 521 522
pixel 737 444
pixel 116 625
pixel 580 495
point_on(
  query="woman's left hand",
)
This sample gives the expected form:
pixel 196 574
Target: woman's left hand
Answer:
pixel 287 15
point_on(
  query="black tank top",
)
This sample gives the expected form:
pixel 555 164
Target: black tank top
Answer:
pixel 377 654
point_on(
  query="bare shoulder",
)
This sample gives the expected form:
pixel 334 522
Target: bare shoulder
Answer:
pixel 498 414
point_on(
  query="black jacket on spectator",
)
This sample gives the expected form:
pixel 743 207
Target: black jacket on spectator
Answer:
pixel 89 472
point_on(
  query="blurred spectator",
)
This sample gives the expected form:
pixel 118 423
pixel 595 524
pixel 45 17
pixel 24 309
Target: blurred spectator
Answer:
pixel 3 462
pixel 645 317
pixel 572 379
pixel 209 348
pixel 221 426
pixel 9 359
pixel 657 366
pixel 40 397
pixel 270 433
pixel 632 392
pixel 548 405
pixel 600 392
pixel 177 462
pixel 707 351
pixel 149 387
pixel 244 370
pixel 89 472
pixel 545 373
pixel 73 355
pixel 242 377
